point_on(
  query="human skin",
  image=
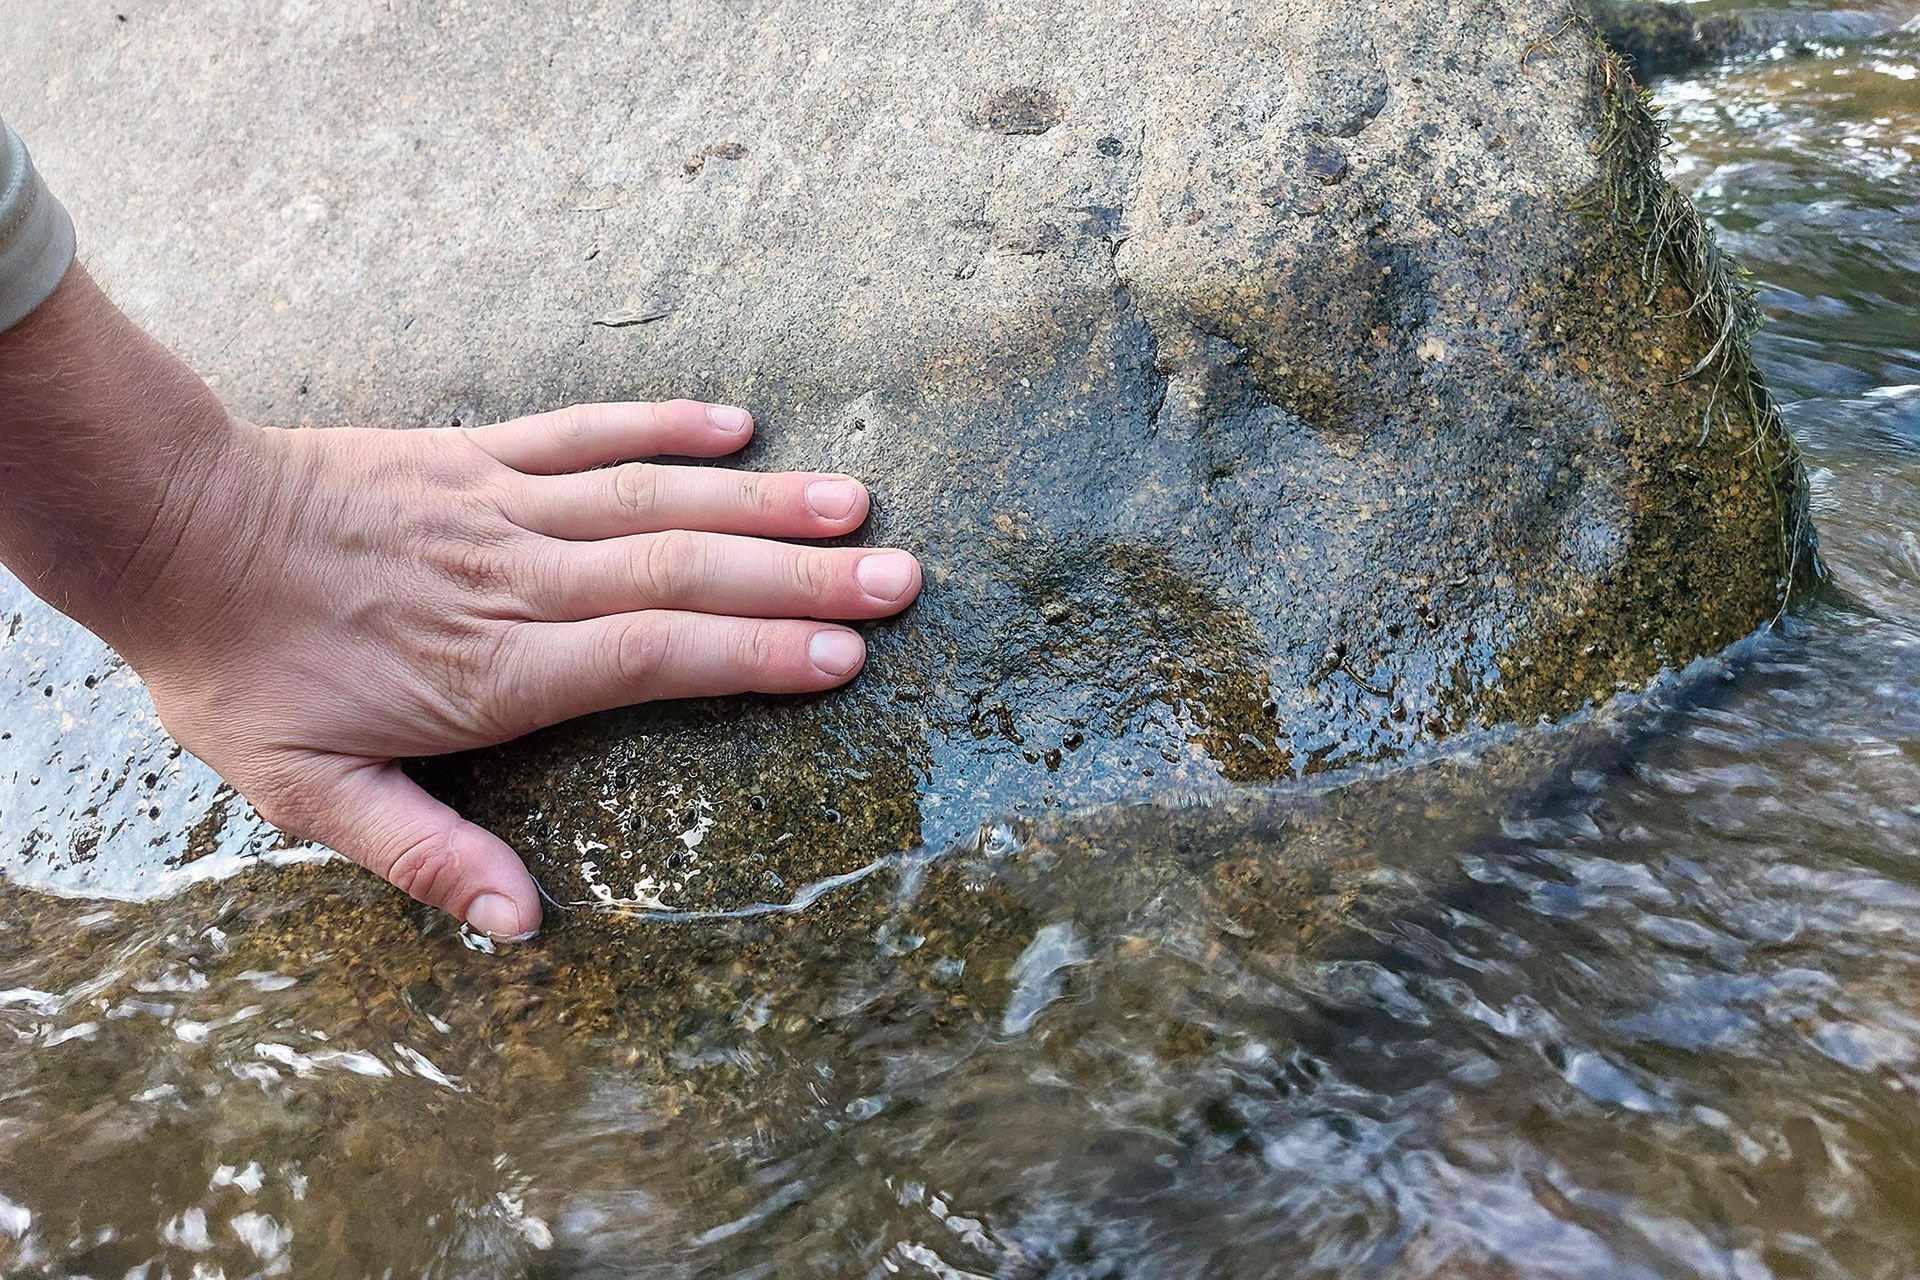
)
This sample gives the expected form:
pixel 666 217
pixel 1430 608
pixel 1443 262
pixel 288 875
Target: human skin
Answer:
pixel 306 607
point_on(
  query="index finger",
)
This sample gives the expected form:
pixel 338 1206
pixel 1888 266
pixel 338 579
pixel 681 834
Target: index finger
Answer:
pixel 583 436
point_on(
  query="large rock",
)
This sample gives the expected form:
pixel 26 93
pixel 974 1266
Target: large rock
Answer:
pixel 1266 390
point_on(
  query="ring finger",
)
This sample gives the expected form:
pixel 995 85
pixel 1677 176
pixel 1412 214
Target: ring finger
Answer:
pixel 720 574
pixel 646 497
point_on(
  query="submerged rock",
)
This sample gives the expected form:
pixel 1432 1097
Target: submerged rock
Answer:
pixel 1264 394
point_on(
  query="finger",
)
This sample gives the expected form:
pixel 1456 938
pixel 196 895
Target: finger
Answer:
pixel 592 435
pixel 719 573
pixel 644 497
pixel 376 815
pixel 582 667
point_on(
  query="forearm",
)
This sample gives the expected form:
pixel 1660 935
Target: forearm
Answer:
pixel 105 441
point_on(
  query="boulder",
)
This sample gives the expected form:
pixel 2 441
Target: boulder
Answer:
pixel 1267 390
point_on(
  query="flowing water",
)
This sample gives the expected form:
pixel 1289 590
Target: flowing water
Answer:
pixel 1636 997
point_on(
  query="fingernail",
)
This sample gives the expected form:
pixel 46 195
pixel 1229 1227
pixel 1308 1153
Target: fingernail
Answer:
pixel 497 917
pixel 729 419
pixel 832 499
pixel 837 653
pixel 885 576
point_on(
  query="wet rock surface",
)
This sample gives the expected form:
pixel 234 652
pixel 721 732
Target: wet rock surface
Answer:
pixel 1264 395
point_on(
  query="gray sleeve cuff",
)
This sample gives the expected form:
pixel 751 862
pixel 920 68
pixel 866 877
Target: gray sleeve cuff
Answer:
pixel 36 235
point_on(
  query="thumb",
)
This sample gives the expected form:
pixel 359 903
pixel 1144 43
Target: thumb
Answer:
pixel 376 815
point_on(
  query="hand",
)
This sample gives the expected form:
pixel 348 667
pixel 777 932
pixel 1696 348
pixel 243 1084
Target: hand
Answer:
pixel 308 606
pixel 321 602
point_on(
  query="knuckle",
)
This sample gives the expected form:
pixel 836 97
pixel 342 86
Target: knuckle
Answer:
pixel 816 574
pixel 460 453
pixel 642 652
pixel 467 653
pixel 758 498
pixel 469 658
pixel 423 866
pixel 472 565
pixel 647 416
pixel 761 647
pixel 574 423
pixel 667 564
pixel 636 488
